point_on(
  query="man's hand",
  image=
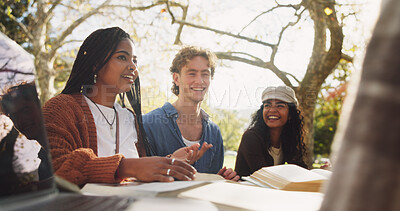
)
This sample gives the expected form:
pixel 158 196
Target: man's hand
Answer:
pixel 229 174
pixel 191 154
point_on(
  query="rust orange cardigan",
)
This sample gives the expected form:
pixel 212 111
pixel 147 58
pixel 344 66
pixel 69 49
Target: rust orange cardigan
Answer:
pixel 73 142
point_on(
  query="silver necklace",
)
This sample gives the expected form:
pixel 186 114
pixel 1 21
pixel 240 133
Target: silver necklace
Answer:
pixel 115 114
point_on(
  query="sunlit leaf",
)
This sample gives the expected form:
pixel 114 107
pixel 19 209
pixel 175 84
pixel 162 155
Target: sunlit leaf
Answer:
pixel 328 11
pixel 8 11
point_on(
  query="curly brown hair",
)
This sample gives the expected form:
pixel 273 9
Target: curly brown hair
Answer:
pixel 186 54
pixel 292 136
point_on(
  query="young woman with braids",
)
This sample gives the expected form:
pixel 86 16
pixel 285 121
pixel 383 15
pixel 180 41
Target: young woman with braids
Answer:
pixel 275 135
pixel 93 138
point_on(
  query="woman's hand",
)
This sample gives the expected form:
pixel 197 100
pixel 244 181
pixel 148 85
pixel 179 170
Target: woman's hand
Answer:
pixel 327 166
pixel 191 154
pixel 150 169
pixel 229 174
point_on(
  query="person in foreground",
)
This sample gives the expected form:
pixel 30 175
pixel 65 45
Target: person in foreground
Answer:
pixel 21 105
pixel 366 151
pixel 92 138
pixel 275 135
pixel 184 123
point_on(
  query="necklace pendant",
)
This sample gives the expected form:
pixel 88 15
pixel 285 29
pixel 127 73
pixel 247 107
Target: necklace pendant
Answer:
pixel 111 127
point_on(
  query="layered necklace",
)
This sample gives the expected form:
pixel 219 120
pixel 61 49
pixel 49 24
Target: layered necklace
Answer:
pixel 111 124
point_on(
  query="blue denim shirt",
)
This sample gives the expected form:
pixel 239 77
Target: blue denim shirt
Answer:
pixel 165 137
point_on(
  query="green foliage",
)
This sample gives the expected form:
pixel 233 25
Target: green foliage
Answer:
pixel 327 112
pixel 231 126
pixel 153 97
pixel 62 66
pixel 17 9
pixel 326 118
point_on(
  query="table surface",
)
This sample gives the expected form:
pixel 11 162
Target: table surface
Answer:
pixel 208 195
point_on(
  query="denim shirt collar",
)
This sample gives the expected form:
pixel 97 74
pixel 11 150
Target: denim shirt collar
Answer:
pixel 170 111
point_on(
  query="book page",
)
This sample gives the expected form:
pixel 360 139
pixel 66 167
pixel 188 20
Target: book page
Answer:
pixel 137 188
pixel 269 179
pixel 293 173
pixel 256 182
pixel 323 172
pixel 208 177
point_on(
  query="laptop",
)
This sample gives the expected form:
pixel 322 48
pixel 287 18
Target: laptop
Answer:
pixel 27 181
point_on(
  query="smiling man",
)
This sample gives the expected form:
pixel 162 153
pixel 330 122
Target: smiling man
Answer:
pixel 184 123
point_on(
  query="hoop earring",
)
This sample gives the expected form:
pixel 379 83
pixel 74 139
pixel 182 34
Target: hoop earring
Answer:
pixel 95 78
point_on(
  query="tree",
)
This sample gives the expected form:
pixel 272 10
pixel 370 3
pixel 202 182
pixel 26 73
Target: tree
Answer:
pixel 44 35
pixel 326 51
pixel 45 38
pixel 17 9
pixel 328 109
pixel 44 41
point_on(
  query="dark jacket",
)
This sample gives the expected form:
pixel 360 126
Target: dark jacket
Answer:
pixel 253 154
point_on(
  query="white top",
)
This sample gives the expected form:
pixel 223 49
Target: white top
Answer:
pixel 106 141
pixel 26 155
pixel 189 143
pixel 276 154
pixel 26 151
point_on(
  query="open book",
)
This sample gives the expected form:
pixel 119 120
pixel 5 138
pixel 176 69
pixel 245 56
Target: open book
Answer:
pixel 289 177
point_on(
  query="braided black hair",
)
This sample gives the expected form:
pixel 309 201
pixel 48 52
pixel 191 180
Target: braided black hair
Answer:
pixel 94 53
pixel 134 99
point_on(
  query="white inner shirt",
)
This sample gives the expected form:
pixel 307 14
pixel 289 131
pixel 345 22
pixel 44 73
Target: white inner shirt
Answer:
pixel 189 143
pixel 106 141
pixel 276 154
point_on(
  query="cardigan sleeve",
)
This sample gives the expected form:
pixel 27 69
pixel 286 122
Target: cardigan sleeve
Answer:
pixel 72 151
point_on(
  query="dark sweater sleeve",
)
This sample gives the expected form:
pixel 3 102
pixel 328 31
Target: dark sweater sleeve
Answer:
pixel 251 154
pixel 72 155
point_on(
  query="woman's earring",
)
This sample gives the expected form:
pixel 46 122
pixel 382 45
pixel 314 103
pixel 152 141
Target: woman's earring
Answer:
pixel 95 78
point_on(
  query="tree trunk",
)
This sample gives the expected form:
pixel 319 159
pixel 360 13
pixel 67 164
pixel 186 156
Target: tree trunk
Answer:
pixel 43 62
pixel 307 103
pixel 307 94
pixel 322 62
pixel 45 42
pixel 45 75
